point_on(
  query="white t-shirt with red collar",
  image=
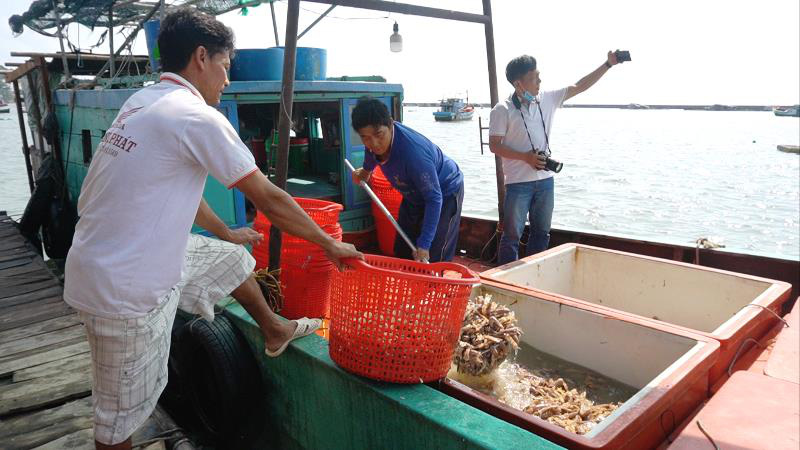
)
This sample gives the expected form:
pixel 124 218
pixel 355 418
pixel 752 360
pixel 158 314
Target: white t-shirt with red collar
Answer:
pixel 141 194
pixel 510 123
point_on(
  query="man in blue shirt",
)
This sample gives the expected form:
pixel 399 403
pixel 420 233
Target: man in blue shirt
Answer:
pixel 432 185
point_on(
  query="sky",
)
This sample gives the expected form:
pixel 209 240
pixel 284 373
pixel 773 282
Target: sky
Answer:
pixel 731 52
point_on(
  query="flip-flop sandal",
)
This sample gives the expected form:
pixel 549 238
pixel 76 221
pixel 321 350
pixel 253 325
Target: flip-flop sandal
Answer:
pixel 305 326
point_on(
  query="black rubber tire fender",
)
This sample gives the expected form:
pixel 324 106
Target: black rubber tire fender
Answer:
pixel 173 395
pixel 219 374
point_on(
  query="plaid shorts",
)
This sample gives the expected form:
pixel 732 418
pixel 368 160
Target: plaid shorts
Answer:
pixel 130 356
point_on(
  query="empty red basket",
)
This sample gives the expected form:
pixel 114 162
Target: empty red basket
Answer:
pixel 391 199
pixel 398 320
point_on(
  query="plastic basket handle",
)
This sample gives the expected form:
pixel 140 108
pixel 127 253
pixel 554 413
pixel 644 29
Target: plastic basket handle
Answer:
pixel 333 207
pixel 358 264
pixel 326 208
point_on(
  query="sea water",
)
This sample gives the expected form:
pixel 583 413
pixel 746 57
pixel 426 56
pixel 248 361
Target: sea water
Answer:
pixel 660 175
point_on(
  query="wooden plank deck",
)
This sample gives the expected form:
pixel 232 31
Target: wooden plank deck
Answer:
pixel 45 365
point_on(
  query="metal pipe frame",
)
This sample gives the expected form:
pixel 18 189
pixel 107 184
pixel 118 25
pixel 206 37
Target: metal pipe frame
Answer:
pixel 127 41
pixel 494 98
pixel 413 10
pixel 112 62
pixel 60 32
pixel 316 21
pixel 274 24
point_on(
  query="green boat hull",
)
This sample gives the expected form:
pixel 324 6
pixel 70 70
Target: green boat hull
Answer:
pixel 312 403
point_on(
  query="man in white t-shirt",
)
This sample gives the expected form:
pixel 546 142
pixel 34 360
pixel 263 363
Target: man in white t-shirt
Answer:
pixel 133 261
pixel 519 129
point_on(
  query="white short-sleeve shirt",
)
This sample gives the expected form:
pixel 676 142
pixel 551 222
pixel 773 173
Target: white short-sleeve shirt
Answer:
pixel 506 121
pixel 141 194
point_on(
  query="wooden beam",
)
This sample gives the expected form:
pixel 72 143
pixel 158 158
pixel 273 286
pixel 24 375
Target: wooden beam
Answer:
pixel 20 71
pixel 413 10
pixel 84 56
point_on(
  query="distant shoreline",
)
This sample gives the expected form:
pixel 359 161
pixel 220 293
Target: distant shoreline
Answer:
pixel 639 106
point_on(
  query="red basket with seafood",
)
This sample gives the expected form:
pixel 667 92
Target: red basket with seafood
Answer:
pixel 398 320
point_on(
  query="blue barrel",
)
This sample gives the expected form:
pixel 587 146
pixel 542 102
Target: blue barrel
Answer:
pixel 312 64
pixel 253 64
pixel 256 64
pixel 151 28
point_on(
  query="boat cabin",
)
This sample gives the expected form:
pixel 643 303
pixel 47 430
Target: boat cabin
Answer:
pixel 322 138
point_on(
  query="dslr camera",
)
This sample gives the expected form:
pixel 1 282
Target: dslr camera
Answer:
pixel 549 163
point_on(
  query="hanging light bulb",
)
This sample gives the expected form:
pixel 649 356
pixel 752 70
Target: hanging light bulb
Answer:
pixel 395 40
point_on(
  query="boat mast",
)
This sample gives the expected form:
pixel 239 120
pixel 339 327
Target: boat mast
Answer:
pixel 492 63
pixel 284 122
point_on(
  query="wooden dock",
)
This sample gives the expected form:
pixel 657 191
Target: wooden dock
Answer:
pixel 45 364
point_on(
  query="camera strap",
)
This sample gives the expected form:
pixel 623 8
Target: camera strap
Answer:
pixel 544 127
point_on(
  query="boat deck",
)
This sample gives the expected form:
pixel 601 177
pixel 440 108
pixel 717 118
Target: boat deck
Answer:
pixel 45 365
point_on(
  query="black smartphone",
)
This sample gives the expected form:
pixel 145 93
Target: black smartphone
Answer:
pixel 622 55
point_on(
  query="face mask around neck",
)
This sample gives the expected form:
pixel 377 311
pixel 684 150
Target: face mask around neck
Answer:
pixel 529 97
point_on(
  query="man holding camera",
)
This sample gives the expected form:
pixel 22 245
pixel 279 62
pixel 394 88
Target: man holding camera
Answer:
pixel 519 129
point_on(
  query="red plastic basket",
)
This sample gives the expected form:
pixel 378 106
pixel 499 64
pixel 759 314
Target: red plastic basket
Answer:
pixel 385 231
pixel 322 212
pixel 306 273
pixel 377 175
pixel 391 199
pixel 306 290
pixel 397 320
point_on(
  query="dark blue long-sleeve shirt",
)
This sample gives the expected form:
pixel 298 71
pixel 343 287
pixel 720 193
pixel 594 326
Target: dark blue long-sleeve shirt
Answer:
pixel 422 173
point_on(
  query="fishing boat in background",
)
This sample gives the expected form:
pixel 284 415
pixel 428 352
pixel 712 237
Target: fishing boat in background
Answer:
pixel 787 111
pixel 4 108
pixel 453 109
pixel 789 148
